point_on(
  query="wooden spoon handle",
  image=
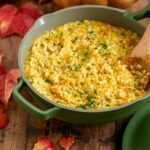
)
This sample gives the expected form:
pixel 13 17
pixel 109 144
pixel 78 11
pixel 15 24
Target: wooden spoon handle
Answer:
pixel 143 47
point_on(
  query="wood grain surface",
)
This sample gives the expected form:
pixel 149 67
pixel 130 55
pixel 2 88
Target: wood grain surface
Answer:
pixel 23 130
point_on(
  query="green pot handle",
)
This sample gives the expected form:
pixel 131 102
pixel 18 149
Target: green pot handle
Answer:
pixel 42 114
pixel 144 13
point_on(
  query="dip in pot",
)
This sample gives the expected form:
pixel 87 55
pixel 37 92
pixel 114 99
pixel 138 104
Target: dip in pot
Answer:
pixel 79 65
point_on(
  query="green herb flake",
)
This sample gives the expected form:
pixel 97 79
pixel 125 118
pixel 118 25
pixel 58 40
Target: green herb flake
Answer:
pixel 86 53
pixel 76 66
pixel 83 59
pixel 88 68
pixel 82 106
pixel 89 98
pixel 104 52
pixel 75 39
pixel 95 92
pixel 104 45
pixel 46 80
pixel 107 99
pixel 90 32
pixel 81 93
pixel 89 104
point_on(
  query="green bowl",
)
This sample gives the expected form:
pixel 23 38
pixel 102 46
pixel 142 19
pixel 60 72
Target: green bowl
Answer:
pixel 48 108
pixel 137 133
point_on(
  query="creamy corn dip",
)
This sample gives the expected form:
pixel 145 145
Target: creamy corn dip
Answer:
pixel 79 65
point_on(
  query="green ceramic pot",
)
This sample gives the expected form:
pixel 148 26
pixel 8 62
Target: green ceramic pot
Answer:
pixel 51 109
pixel 137 133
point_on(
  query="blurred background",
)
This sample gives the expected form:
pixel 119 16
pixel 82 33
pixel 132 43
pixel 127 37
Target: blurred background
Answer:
pixel 123 4
pixel 48 6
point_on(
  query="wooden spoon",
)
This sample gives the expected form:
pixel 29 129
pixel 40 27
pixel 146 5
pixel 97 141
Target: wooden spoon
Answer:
pixel 139 61
pixel 143 47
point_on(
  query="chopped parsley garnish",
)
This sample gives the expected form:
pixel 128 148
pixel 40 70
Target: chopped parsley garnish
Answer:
pixel 107 99
pixel 76 66
pixel 89 98
pixel 90 32
pixel 46 80
pixel 104 51
pixel 86 55
pixel 82 93
pixel 82 106
pixel 104 45
pixel 95 92
pixel 75 39
pixel 83 59
pixel 89 104
pixel 88 68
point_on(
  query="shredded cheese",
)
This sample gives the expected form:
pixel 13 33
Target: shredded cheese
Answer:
pixel 79 65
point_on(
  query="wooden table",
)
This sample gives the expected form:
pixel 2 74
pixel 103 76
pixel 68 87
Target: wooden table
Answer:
pixel 23 130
